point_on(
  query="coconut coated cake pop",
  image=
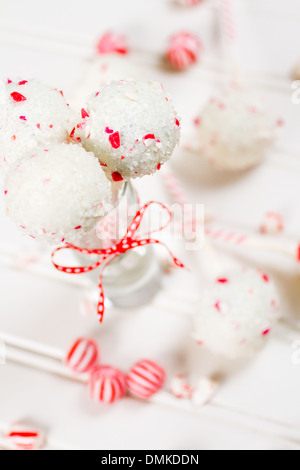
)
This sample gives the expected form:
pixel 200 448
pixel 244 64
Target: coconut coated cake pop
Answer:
pixel 31 114
pixel 131 127
pixel 236 312
pixel 236 130
pixel 56 194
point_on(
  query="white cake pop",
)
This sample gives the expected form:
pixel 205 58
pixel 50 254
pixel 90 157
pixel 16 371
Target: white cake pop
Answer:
pixel 31 114
pixel 236 312
pixel 56 194
pixel 236 130
pixel 132 127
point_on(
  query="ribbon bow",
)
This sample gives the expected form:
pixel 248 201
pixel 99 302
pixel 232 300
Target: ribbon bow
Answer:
pixel 107 255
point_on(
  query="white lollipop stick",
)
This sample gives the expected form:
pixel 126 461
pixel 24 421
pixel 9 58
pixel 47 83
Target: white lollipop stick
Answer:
pixel 32 346
pixel 260 242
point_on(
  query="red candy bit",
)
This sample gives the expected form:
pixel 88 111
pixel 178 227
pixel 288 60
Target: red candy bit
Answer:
pixel 116 176
pixel 8 81
pixel 149 136
pixel 23 82
pixel 298 254
pixel 107 385
pixel 17 97
pixel 72 133
pixel 5 192
pixel 266 332
pixel 13 137
pixel 222 281
pixel 77 228
pixel 145 379
pixel 84 114
pixel 265 277
pixel 23 118
pixel 38 126
pixel 108 130
pixel 159 166
pixel 82 356
pixel 111 43
pixel 114 140
pixel 177 122
pixel 21 437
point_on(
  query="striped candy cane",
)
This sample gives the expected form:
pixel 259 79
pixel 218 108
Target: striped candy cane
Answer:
pixel 228 21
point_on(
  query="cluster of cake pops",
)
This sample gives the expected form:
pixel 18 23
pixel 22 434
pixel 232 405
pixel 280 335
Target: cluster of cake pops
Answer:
pixel 57 167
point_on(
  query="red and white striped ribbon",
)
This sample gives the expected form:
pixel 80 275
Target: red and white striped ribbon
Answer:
pixel 107 255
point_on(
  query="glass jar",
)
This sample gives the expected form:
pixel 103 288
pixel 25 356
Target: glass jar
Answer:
pixel 132 279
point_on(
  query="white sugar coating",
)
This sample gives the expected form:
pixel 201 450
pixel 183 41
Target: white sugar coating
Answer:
pixel 32 114
pixel 56 194
pixel 236 313
pixel 104 69
pixel 236 129
pixel 132 127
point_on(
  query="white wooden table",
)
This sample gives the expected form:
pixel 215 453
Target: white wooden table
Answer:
pixel 257 404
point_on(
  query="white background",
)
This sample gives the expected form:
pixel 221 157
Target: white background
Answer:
pixel 257 404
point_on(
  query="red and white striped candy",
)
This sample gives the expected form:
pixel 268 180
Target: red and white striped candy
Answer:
pixel 183 50
pixel 145 379
pixel 82 356
pixel 21 437
pixel 180 388
pixel 107 385
pixel 272 223
pixel 188 3
pixel 111 43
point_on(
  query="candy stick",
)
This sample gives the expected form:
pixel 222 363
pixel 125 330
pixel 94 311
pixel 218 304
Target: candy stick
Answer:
pixel 79 359
pixel 43 363
pixel 261 242
pixel 225 235
pixel 178 196
pixel 41 269
pixel 32 346
pixel 229 35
